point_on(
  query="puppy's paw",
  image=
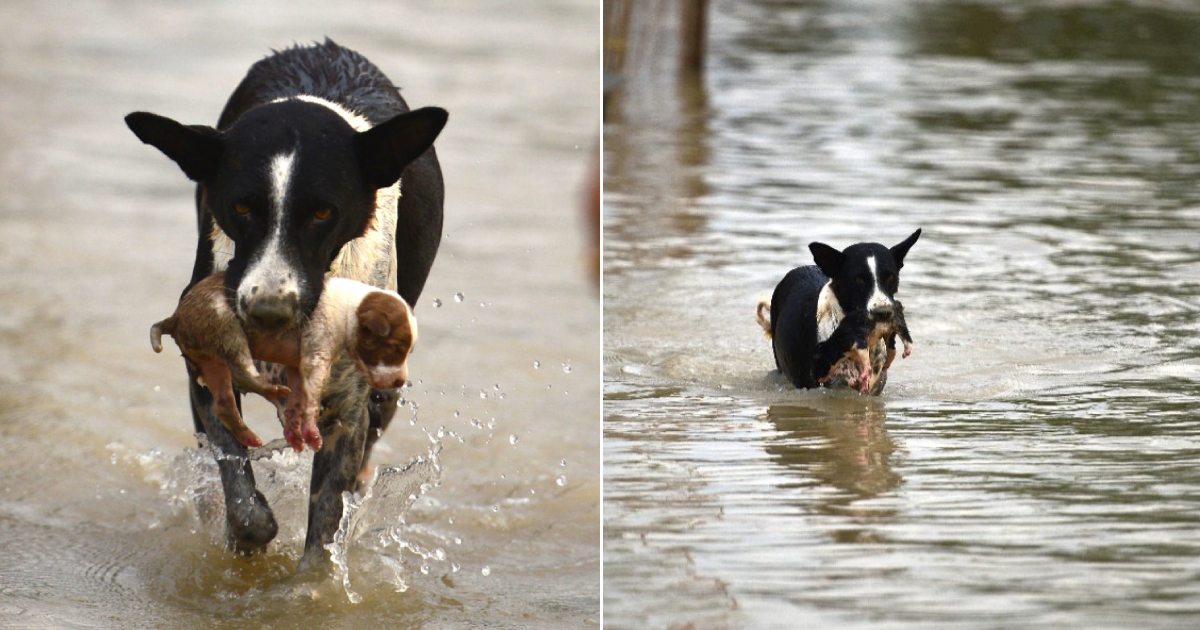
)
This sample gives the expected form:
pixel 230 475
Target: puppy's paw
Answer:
pixel 312 436
pixel 273 392
pixel 248 438
pixel 294 438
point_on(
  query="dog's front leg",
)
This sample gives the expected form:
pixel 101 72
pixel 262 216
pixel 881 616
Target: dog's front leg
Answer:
pixel 848 342
pixel 344 423
pixel 249 522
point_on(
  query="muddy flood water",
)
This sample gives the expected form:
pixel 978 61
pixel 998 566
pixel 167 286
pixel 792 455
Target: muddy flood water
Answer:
pixel 109 513
pixel 1036 462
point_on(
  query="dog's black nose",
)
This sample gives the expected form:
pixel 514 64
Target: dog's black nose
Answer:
pixel 271 314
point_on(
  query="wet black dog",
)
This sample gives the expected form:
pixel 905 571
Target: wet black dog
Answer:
pixel 835 323
pixel 302 176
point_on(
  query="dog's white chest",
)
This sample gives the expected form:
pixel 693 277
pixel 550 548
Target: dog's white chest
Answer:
pixel 829 313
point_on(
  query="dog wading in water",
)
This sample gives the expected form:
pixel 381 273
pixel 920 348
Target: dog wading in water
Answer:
pixel 835 323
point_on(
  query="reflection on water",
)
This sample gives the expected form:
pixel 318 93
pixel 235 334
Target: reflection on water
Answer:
pixel 1031 463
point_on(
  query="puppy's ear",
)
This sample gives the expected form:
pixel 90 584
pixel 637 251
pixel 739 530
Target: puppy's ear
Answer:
pixel 901 250
pixel 827 258
pixel 375 322
pixel 196 149
pixel 384 150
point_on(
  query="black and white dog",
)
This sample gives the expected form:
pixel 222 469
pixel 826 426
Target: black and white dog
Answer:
pixel 835 323
pixel 302 177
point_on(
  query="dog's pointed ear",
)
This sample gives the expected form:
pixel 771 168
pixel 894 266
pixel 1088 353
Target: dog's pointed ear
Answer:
pixel 901 250
pixel 827 258
pixel 196 149
pixel 384 150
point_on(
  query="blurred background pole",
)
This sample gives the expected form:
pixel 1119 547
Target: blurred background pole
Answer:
pixel 693 16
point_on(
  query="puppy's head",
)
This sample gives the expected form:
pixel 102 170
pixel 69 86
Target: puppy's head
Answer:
pixel 290 182
pixel 387 332
pixel 865 275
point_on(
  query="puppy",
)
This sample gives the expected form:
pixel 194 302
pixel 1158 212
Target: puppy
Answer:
pixel 210 336
pixel 376 328
pixel 835 323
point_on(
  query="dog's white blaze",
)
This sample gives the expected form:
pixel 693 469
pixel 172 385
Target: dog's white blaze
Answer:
pixel 281 177
pixel 829 312
pixel 269 275
pixel 878 300
pixel 370 258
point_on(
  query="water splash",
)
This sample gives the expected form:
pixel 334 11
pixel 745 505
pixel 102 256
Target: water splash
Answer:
pixel 372 524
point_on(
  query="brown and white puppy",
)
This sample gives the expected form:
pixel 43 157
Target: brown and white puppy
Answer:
pixel 376 328
pixel 209 334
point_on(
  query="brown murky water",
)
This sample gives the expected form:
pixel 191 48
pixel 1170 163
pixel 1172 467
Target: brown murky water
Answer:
pixel 104 501
pixel 1034 463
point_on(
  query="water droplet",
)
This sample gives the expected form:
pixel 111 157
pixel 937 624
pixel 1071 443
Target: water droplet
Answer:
pixel 486 571
pixel 562 462
pixel 567 367
pixel 454 567
pixel 482 394
pixel 537 365
pixel 425 569
pixel 458 297
pixel 512 439
pixel 158 388
pixel 562 480
pixel 437 303
pixel 440 554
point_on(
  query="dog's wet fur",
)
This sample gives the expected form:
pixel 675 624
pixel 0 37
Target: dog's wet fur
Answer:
pixel 316 165
pixel 835 323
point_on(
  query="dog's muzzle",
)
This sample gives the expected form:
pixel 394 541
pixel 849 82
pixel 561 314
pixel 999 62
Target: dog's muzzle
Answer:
pixel 271 313
pixel 882 312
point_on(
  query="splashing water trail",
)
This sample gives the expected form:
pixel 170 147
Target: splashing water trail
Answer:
pixel 372 523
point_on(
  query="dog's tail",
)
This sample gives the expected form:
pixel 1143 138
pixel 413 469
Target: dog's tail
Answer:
pixel 156 332
pixel 763 313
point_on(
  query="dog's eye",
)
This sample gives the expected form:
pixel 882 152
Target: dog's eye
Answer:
pixel 323 213
pixel 241 209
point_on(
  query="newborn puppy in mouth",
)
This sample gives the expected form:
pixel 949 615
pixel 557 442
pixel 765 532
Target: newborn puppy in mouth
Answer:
pixel 374 327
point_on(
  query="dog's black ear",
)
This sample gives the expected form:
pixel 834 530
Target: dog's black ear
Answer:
pixel 384 150
pixel 196 149
pixel 827 258
pixel 901 250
